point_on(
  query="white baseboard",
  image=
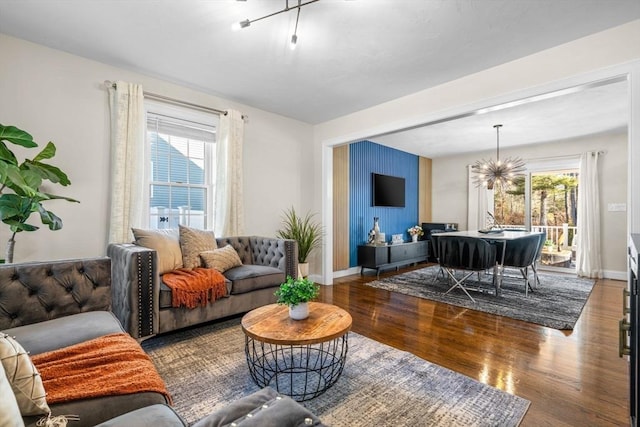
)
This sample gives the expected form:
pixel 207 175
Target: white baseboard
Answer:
pixel 615 275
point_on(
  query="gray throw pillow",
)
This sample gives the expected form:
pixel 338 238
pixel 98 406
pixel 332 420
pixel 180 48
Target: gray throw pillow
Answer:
pixel 265 408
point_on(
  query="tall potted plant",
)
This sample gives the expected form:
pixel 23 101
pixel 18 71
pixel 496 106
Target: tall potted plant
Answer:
pixel 305 231
pixel 20 182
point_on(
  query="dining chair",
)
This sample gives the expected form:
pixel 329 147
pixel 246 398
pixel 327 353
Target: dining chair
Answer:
pixel 521 254
pixel 434 252
pixel 536 262
pixel 467 254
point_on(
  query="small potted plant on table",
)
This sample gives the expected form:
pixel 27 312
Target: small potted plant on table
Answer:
pixel 296 293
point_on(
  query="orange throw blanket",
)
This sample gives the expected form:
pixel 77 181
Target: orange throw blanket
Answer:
pixel 106 366
pixel 191 288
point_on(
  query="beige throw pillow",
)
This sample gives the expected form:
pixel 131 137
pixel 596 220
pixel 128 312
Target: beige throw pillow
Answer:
pixel 10 415
pixel 165 242
pixel 23 376
pixel 194 241
pixel 221 259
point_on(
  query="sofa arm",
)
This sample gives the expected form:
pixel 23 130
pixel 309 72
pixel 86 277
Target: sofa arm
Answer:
pixel 135 288
pixel 272 252
pixel 33 292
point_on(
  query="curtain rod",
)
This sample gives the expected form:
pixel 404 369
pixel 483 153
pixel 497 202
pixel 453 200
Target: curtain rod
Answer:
pixel 565 156
pixel 174 101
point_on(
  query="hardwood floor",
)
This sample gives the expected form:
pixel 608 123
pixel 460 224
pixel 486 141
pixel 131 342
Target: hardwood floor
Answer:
pixel 572 378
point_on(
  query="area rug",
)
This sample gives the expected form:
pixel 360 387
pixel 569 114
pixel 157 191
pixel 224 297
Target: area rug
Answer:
pixel 556 303
pixel 205 369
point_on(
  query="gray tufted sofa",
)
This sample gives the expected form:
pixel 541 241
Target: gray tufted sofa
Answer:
pixel 142 302
pixel 51 305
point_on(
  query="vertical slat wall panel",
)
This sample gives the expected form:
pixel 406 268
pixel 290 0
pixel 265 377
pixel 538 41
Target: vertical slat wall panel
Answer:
pixel 365 158
pixel 341 208
pixel 424 190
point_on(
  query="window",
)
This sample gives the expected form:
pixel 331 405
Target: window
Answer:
pixel 181 152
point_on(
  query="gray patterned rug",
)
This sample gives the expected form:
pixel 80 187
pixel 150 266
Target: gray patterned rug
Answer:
pixel 205 369
pixel 556 303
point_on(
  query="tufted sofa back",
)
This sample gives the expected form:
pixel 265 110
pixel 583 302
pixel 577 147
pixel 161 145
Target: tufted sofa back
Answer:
pixel 37 291
pixel 262 250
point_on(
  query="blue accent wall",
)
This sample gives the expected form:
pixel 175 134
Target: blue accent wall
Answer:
pixel 365 158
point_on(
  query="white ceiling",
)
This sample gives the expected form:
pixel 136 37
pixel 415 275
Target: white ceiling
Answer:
pixel 351 55
pixel 567 114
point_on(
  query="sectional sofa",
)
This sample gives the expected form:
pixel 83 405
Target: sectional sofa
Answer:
pixel 61 305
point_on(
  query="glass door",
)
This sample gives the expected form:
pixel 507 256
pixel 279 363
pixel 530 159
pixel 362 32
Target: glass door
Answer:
pixel 544 200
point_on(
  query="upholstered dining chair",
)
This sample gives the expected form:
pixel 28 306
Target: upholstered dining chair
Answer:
pixel 536 262
pixel 467 254
pixel 434 252
pixel 521 254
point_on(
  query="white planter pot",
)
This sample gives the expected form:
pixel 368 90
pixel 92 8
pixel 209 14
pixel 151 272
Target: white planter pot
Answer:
pixel 414 238
pixel 303 269
pixel 299 311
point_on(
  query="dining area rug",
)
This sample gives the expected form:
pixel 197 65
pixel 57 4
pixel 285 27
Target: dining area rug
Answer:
pixel 556 303
pixel 205 369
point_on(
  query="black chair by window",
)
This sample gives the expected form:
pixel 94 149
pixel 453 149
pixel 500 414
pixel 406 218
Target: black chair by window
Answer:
pixel 521 254
pixel 467 254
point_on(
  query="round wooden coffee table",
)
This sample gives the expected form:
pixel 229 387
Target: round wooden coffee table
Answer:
pixel 299 358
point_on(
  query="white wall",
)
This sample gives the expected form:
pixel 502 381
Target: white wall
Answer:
pixel 450 191
pixel 590 58
pixel 60 97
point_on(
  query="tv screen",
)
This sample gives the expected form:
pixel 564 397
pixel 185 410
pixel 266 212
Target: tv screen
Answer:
pixel 388 190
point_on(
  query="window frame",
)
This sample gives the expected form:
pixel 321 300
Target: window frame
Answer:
pixel 186 117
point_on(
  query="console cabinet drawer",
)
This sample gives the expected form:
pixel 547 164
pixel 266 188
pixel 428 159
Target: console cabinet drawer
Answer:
pixel 398 253
pixel 372 256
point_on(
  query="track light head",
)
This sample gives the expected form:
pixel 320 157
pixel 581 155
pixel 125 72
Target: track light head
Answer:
pixel 239 25
pixel 294 42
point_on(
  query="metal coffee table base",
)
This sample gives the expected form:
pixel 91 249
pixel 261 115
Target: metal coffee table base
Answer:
pixel 299 371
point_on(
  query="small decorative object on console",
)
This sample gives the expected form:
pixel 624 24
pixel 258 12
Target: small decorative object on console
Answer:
pixel 396 239
pixel 415 232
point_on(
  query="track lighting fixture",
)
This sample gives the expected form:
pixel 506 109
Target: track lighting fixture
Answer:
pixel 294 38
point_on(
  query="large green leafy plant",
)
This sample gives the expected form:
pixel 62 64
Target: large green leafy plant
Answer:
pixel 302 229
pixel 21 182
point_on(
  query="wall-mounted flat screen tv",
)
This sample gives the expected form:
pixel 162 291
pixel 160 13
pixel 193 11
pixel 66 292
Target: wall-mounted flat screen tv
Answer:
pixel 387 190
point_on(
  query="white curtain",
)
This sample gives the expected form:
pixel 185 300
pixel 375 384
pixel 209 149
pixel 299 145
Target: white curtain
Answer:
pixel 126 103
pixel 229 210
pixel 588 259
pixel 478 203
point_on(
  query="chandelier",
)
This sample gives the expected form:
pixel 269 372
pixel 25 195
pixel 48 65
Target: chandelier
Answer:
pixel 294 38
pixel 489 172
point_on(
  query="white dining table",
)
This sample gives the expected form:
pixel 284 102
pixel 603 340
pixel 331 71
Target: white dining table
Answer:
pixel 494 237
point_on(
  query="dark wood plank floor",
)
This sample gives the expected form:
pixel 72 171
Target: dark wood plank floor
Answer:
pixel 572 378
